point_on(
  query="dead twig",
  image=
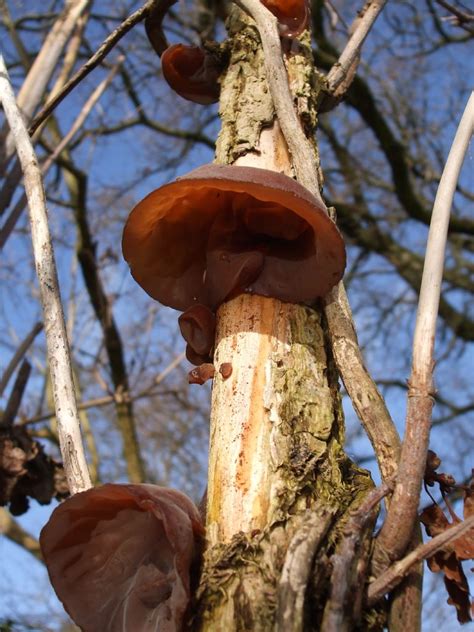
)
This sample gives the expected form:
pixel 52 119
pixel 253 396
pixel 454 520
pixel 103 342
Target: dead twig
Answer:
pixel 92 63
pixel 369 406
pixel 36 82
pixel 399 523
pixel 300 147
pixel 346 65
pixel 18 356
pixel 361 388
pixel 394 575
pixel 16 395
pixel 297 569
pixel 58 349
pixel 15 214
pixel 98 402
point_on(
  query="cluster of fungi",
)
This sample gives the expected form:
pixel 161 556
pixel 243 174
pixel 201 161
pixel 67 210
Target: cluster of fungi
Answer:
pixel 222 230
pixel 192 245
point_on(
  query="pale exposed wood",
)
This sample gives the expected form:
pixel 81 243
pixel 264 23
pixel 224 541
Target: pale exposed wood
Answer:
pixel 250 329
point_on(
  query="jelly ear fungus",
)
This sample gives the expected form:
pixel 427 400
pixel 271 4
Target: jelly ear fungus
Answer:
pixel 221 230
pixel 122 557
pixel 292 15
pixel 192 72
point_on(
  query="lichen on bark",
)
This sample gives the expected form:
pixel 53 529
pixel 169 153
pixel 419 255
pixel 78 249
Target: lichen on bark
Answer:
pixel 307 471
pixel 277 425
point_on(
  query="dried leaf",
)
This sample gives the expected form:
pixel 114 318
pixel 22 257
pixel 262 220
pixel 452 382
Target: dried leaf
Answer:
pixel 445 481
pixel 469 499
pixel 119 557
pixel 448 560
pixel 27 472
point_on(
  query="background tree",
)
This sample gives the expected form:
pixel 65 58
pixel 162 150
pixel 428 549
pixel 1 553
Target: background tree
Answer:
pixel 382 151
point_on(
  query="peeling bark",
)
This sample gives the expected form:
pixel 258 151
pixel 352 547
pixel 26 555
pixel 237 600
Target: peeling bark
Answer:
pixel 280 486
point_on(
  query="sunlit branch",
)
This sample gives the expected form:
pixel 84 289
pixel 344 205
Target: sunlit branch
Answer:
pixel 398 525
pixel 344 66
pixel 15 214
pixel 57 344
pixel 36 82
pixel 393 575
pixel 98 402
pixel 301 150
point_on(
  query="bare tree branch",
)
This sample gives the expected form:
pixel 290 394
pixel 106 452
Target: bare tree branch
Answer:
pixel 92 63
pixel 337 307
pixel 15 214
pixel 346 582
pixel 297 569
pixel 398 526
pixel 37 80
pixel 97 402
pixel 348 60
pixel 58 348
pixel 301 149
pixel 11 529
pixel 19 353
pixel 394 575
pixel 16 395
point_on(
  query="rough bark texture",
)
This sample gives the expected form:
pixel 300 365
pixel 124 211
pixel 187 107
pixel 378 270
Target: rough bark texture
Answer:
pixel 276 458
pixel 280 486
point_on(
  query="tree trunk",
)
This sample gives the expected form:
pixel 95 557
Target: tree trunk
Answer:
pixel 280 486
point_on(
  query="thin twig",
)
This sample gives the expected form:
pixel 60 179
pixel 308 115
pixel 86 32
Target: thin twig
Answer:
pixel 18 356
pixel 393 575
pixel 349 56
pixel 12 530
pixel 16 395
pixel 398 526
pixel 92 63
pixel 69 59
pixel 361 388
pixel 36 82
pixel 15 214
pixel 98 402
pixel 58 349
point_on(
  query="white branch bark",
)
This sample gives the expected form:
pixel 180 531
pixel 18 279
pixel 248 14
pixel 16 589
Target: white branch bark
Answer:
pixel 423 342
pixel 56 339
pixel 397 528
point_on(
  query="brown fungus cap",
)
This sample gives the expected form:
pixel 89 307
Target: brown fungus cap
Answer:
pixel 221 230
pixel 192 72
pixel 122 557
pixel 292 15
